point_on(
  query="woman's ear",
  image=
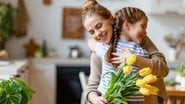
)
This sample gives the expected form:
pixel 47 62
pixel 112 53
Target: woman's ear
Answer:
pixel 111 19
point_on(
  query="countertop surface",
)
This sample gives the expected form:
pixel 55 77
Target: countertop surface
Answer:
pixel 63 61
pixel 11 67
pixel 15 65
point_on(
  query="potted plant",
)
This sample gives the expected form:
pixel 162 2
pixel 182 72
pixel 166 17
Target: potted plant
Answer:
pixel 13 91
pixel 6 18
pixel 180 76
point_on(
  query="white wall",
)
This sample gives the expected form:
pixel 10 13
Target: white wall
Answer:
pixel 46 23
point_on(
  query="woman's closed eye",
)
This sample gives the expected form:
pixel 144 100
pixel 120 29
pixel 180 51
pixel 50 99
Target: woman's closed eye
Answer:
pixel 99 25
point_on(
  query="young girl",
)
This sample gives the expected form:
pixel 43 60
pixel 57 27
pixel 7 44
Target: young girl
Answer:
pixel 98 21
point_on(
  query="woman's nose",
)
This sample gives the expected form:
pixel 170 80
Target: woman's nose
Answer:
pixel 97 34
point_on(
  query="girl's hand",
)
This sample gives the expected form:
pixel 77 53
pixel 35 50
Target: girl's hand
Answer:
pixel 120 58
pixel 96 99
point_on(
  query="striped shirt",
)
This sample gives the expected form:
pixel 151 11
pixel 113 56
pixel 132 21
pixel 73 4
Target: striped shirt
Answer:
pixel 101 50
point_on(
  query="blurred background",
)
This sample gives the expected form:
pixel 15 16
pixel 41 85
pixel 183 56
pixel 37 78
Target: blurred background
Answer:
pixel 46 23
pixel 49 37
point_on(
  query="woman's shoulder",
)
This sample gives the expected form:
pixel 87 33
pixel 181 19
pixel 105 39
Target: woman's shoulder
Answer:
pixel 92 44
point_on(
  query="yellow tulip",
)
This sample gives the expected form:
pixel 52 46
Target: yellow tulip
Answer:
pixel 150 78
pixel 145 71
pixel 153 93
pixel 153 90
pixel 131 60
pixel 140 83
pixel 149 91
pixel 127 69
pixel 144 91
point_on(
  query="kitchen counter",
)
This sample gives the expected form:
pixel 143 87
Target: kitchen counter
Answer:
pixel 63 61
pixel 15 65
pixel 13 68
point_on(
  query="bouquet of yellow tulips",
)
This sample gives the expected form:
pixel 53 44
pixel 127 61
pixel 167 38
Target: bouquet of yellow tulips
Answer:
pixel 127 83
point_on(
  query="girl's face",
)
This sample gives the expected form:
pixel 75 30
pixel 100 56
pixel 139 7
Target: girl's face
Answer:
pixel 99 28
pixel 137 31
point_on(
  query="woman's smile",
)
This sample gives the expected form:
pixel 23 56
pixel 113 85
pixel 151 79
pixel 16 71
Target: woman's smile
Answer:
pixel 103 38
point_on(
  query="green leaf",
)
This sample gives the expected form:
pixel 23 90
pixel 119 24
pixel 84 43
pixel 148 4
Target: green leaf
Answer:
pixel 1 91
pixel 6 19
pixel 118 101
pixel 113 80
pixel 15 92
pixel 121 86
pixel 181 70
pixel 27 91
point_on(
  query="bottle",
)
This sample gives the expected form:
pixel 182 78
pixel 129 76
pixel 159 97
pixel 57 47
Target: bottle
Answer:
pixel 44 48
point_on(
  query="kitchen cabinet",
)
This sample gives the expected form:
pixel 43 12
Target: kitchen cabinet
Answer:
pixel 42 77
pixel 69 87
pixel 42 80
pixel 23 74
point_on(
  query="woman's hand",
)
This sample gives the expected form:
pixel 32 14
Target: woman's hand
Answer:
pixel 119 58
pixel 99 100
pixel 96 99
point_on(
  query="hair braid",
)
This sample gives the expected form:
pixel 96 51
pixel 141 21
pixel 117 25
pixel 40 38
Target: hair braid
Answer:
pixel 116 35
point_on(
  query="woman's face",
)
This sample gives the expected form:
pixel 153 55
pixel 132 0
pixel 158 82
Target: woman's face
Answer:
pixel 99 28
pixel 137 31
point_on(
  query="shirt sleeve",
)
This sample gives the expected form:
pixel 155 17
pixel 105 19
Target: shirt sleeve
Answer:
pixel 158 60
pixel 95 73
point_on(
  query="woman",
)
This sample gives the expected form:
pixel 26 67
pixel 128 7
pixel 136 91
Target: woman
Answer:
pixel 156 61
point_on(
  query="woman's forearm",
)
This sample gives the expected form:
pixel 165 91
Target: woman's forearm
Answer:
pixel 157 64
pixel 94 78
pixel 143 62
pixel 158 60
